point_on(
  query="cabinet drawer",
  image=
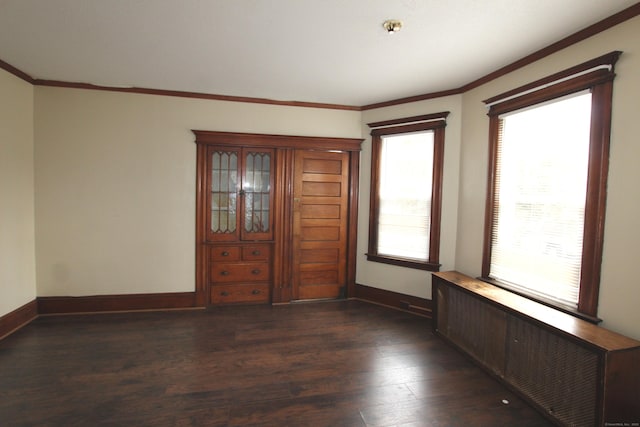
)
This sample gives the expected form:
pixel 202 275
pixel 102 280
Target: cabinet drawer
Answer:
pixel 239 272
pixel 255 253
pixel 258 292
pixel 225 253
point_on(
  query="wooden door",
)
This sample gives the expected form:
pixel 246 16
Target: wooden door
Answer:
pixel 320 222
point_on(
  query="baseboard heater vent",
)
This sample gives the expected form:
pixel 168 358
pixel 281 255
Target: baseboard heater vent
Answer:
pixel 574 372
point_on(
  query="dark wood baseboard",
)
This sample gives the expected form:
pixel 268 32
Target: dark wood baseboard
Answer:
pixel 177 300
pixel 106 303
pixel 412 304
pixel 19 317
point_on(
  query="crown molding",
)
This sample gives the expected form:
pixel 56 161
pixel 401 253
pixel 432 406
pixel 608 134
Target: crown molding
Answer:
pixel 592 30
pixel 574 38
pixel 16 72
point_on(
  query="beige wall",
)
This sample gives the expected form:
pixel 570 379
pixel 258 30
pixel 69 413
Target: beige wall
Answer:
pixel 399 279
pixel 115 183
pixel 620 288
pixel 17 254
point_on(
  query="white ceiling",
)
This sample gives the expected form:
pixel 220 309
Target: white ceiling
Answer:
pixel 321 51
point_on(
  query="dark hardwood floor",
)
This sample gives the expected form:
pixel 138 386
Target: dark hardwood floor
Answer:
pixel 344 363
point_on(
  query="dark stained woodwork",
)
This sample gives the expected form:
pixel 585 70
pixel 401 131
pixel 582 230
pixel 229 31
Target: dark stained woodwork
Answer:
pixel 406 120
pixel 595 209
pixel 276 141
pixel 352 238
pixel 242 202
pixel 344 363
pixel 331 173
pixel 600 83
pixel 240 293
pixel 19 317
pixel 539 92
pixel 184 94
pixel 571 370
pixel 320 224
pixel 410 303
pixel 495 130
pixel 574 38
pixel 435 122
pixel 283 233
pixel 127 302
pixel 240 255
pixel 240 273
pixel 598 27
pixel 202 213
pixel 16 72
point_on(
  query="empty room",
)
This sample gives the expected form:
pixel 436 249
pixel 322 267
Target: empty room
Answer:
pixel 319 213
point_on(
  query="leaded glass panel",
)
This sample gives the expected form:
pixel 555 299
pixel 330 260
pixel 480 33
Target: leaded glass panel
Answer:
pixel 224 184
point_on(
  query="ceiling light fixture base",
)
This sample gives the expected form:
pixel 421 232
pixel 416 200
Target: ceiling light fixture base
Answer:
pixel 392 25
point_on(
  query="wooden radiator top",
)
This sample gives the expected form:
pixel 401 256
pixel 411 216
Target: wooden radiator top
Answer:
pixel 563 322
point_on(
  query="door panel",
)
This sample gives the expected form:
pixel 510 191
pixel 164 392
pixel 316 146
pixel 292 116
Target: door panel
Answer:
pixel 320 215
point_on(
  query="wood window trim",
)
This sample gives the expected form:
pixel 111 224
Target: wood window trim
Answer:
pixel 437 123
pixel 600 82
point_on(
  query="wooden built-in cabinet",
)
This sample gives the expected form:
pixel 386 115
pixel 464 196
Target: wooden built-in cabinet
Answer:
pixel 240 273
pixel 275 217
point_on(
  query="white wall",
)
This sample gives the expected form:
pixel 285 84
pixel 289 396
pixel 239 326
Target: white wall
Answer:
pixel 17 253
pixel 115 183
pixel 399 279
pixel 619 289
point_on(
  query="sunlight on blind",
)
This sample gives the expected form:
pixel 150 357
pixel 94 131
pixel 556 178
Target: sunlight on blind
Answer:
pixel 541 183
pixel 406 170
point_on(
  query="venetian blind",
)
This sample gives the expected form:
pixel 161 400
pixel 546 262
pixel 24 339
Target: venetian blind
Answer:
pixel 540 190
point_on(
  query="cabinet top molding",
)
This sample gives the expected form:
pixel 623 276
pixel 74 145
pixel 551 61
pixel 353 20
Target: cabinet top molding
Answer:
pixel 277 141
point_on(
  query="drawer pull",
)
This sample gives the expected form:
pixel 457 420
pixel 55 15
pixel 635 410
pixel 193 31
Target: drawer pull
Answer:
pixel 224 253
pixel 255 291
pixel 256 271
pixel 224 273
pixel 224 293
pixel 256 252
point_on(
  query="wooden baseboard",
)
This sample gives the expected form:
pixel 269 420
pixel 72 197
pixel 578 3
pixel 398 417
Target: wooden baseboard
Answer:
pixel 178 300
pixel 417 305
pixel 107 303
pixel 19 317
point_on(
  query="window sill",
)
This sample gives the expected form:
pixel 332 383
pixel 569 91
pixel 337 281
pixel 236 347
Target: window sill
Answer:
pixel 404 262
pixel 543 301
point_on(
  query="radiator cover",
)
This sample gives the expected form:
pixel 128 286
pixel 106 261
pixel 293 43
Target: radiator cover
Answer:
pixel 575 373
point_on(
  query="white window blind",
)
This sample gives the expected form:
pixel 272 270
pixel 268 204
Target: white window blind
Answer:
pixel 540 185
pixel 406 173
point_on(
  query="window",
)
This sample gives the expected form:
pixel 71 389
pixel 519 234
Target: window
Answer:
pixel 406 180
pixel 549 154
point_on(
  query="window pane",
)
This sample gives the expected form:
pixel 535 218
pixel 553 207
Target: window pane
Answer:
pixel 541 183
pixel 406 169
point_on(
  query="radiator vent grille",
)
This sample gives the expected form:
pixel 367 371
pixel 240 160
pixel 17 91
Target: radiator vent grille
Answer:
pixel 557 374
pixel 576 373
pixel 476 327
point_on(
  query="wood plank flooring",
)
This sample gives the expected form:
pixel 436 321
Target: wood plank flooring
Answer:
pixel 342 363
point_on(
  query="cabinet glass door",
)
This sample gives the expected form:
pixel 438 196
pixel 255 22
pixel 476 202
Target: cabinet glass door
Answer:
pixel 240 196
pixel 256 195
pixel 223 223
